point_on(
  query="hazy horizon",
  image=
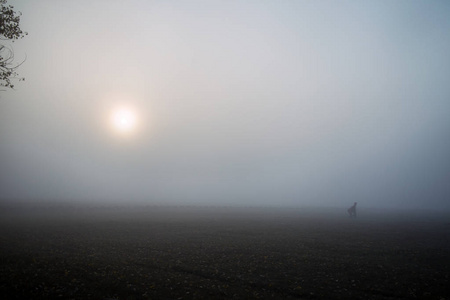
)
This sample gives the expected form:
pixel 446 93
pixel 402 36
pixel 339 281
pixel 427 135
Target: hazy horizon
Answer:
pixel 291 103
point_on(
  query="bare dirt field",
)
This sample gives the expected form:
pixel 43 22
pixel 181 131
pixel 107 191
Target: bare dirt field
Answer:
pixel 221 253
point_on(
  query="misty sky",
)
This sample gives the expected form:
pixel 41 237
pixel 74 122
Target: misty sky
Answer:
pixel 238 102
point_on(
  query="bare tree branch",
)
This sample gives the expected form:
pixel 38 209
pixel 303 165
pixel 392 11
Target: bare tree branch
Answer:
pixel 9 31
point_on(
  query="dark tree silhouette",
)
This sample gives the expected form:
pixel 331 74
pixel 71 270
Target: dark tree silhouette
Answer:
pixel 9 31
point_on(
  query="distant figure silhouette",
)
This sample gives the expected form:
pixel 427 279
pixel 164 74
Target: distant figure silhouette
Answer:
pixel 352 210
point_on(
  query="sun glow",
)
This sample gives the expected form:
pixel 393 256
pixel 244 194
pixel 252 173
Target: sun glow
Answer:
pixel 123 120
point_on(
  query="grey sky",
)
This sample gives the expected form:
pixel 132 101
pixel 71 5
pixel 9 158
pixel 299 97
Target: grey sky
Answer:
pixel 239 102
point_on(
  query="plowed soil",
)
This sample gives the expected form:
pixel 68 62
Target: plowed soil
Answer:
pixel 221 253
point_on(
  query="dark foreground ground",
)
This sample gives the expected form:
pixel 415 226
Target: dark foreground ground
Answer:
pixel 221 253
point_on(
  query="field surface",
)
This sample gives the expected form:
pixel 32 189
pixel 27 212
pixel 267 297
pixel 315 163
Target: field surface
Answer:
pixel 221 253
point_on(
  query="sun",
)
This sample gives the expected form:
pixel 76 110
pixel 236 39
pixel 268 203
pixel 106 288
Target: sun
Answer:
pixel 123 120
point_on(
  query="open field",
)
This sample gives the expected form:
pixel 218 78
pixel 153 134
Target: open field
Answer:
pixel 221 253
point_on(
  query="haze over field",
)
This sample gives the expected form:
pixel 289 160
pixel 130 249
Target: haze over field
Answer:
pixel 230 102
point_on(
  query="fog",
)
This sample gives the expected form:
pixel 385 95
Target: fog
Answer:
pixel 242 103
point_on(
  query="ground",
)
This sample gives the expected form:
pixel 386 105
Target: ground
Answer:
pixel 151 252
